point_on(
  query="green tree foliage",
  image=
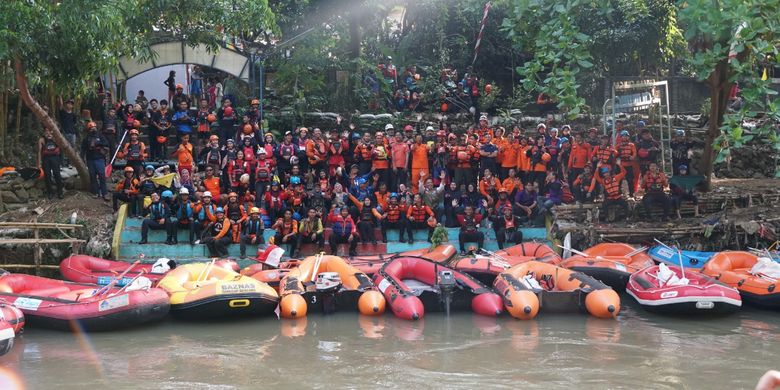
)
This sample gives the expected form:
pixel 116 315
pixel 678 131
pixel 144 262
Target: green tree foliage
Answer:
pixel 68 43
pixel 732 40
pixel 569 44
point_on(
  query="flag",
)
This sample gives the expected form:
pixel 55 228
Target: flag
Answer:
pixel 164 180
pixel 764 76
pixel 481 32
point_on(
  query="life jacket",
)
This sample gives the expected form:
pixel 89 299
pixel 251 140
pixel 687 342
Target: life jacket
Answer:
pixel 287 227
pixel 364 152
pixel 654 183
pixel 206 211
pixel 134 151
pixel 158 210
pixel 567 196
pixel 509 224
pixel 469 224
pixel 604 154
pixel 217 226
pixel 253 226
pixel 263 172
pixel 419 213
pixel 501 205
pixel 230 154
pixel 233 211
pixel 366 214
pixel 184 213
pixel 320 150
pixel 625 150
pixel 463 156
pixel 275 200
pixel 342 226
pixel 393 213
pixel 49 148
pixel 203 123
pixel 286 151
pixel 612 188
pixel 215 156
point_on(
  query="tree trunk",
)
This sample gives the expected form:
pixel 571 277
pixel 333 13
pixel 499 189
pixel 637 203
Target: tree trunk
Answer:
pixel 720 86
pixel 47 121
pixel 354 35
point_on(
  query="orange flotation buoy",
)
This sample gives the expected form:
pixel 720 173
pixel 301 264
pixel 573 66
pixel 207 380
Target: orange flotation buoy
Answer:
pixel 293 306
pixel 371 303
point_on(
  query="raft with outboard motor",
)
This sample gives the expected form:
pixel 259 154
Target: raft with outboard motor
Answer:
pixel 326 284
pixel 205 290
pixel 89 269
pixel 532 286
pixel 672 290
pixel 611 263
pixel 11 324
pixel 371 264
pixel 693 260
pixel 56 304
pixel 754 277
pixel 414 285
pixel 486 266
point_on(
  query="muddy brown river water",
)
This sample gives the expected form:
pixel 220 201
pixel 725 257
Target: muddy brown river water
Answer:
pixel 638 350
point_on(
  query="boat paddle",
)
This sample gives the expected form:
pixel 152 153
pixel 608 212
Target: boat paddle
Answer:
pixel 110 166
pixel 130 282
pixel 115 280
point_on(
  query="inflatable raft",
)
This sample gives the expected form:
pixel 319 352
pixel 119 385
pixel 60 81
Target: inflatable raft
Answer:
pixel 692 260
pixel 326 284
pixel 741 270
pixel 670 290
pixel 60 305
pixel 611 263
pixel 11 324
pixel 414 285
pixel 371 264
pixel 89 269
pixel 486 267
pixel 532 286
pixel 205 290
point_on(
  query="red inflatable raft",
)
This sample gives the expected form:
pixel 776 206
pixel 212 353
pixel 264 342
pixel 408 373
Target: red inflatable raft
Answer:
pixel 486 268
pixel 56 304
pixel 414 285
pixel 11 324
pixel 702 294
pixel 94 270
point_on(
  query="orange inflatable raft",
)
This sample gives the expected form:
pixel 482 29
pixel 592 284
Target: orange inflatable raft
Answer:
pixel 611 263
pixel 736 269
pixel 526 288
pixel 328 283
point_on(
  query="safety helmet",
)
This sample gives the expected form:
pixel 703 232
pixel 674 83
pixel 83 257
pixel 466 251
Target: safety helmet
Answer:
pixel 206 194
pixel 214 137
pixel 129 169
pixel 167 194
pixel 179 86
pixel 220 210
pixel 254 210
pixel 680 132
pixel 184 191
pixel 389 126
pixel 148 167
pixel 624 133
pixel 91 125
pixel 393 195
pixel 254 101
pixel 295 180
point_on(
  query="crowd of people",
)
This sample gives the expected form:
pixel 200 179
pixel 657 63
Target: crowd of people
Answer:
pixel 231 181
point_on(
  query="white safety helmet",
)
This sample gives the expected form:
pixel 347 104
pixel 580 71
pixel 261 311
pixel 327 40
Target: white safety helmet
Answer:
pixel 184 191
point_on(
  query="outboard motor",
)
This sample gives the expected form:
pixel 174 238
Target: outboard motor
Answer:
pixel 328 284
pixel 446 289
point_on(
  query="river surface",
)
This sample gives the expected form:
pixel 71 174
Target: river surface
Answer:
pixel 638 350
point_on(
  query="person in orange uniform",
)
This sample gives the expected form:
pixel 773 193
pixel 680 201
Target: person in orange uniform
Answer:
pixel 523 160
pixel 463 153
pixel 419 216
pixel 653 184
pixel 134 151
pixel 380 155
pixel 212 183
pixel 286 231
pixel 400 160
pixel 611 185
pixel 483 129
pixel 236 213
pixel 364 154
pixel 183 154
pixel 218 235
pixel 488 186
pixel 604 154
pixel 317 151
pixel 507 152
pixel 512 183
pixel 627 152
pixel 420 152
pixel 578 159
pixel 127 191
pixel 539 158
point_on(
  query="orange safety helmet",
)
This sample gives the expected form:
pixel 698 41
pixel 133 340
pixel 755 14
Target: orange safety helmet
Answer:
pixel 444 107
pixel 247 129
pixel 129 169
pixel 488 88
pixel 91 124
pixel 179 86
pixel 214 137
pixel 254 101
pixel 211 118
pixel 162 139
pixel 137 124
pixel 228 111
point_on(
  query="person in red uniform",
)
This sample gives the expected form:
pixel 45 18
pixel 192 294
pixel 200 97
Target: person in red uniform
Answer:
pixel 579 158
pixel 49 161
pixel 394 217
pixel 236 214
pixel 286 231
pixel 507 227
pixel 627 152
pixel 127 191
pixel 344 230
pixel 317 151
pixel 218 235
pixel 420 217
pixel 469 229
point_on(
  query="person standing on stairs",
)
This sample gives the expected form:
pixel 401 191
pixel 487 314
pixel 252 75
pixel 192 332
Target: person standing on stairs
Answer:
pixel 158 219
pixel 95 148
pixel 218 235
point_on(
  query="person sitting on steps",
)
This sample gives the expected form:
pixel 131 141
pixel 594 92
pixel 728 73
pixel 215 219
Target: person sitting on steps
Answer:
pixel 393 218
pixel 310 230
pixel 507 228
pixel 159 219
pixel 344 231
pixel 127 191
pixel 286 231
pixel 420 216
pixel 218 235
pixel 252 231
pixel 611 186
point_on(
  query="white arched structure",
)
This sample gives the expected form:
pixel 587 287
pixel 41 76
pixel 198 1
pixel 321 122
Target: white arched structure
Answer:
pixel 178 52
